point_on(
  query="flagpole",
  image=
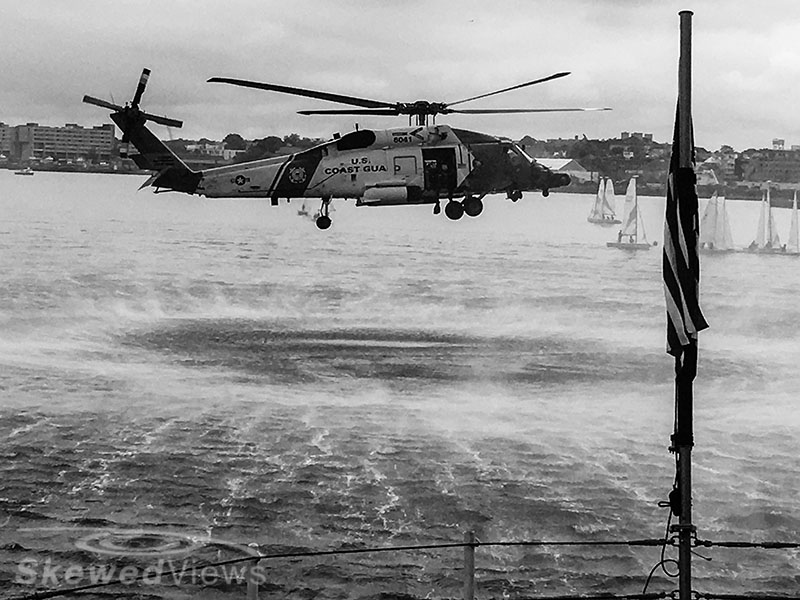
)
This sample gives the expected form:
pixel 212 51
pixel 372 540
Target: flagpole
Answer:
pixel 685 365
pixel 685 91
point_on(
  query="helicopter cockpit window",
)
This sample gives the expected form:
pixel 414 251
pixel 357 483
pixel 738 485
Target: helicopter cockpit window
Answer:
pixel 528 157
pixel 355 140
pixel 516 156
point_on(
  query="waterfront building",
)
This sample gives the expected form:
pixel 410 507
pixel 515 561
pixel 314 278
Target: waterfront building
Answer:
pixel 569 166
pixel 38 142
pixel 5 139
pixel 626 135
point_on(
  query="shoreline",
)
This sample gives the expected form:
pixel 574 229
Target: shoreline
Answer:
pixel 779 198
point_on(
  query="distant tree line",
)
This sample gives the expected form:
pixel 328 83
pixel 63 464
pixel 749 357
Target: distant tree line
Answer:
pixel 252 150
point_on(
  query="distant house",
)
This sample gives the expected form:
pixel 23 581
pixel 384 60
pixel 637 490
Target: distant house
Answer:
pixel 231 154
pixel 706 176
pixel 570 166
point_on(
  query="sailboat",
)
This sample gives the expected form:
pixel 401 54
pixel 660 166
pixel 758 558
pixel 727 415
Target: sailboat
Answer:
pixel 793 247
pixel 603 208
pixel 715 227
pixel 767 240
pixel 632 235
pixel 303 211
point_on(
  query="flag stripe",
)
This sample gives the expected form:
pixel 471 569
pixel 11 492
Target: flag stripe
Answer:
pixel 681 264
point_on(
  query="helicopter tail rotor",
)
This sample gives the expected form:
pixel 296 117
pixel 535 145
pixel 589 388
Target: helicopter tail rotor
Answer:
pixel 140 88
pixel 171 172
pixel 130 113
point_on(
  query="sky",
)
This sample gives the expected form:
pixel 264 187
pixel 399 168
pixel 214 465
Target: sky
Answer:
pixel 622 54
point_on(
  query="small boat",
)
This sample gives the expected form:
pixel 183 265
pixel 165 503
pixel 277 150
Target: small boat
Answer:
pixel 632 236
pixel 715 227
pixel 767 239
pixel 603 209
pixel 313 216
pixel 25 171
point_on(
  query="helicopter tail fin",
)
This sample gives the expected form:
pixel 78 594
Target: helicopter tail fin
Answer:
pixel 153 154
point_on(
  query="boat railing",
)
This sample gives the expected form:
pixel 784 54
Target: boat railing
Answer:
pixel 469 546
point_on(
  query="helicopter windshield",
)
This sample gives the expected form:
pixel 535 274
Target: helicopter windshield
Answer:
pixel 516 156
pixel 525 154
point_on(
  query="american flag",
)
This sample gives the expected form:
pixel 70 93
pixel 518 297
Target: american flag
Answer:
pixel 681 265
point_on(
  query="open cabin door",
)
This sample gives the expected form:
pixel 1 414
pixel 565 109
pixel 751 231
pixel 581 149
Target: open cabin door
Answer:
pixel 440 169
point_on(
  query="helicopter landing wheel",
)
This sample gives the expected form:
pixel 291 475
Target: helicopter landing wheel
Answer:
pixel 545 192
pixel 514 195
pixel 324 220
pixel 472 206
pixel 454 210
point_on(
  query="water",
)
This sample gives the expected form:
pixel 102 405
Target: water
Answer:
pixel 221 370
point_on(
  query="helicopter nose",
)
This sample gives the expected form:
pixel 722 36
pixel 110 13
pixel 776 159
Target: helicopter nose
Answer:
pixel 544 179
pixel 560 180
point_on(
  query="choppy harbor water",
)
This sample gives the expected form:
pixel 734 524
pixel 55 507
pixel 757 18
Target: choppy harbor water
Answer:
pixel 196 369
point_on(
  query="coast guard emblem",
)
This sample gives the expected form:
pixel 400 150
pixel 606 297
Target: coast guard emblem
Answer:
pixel 297 174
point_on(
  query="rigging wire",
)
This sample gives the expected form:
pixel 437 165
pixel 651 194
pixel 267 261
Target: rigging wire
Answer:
pixel 663 561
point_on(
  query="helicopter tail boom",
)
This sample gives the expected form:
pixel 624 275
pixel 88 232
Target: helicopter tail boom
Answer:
pixel 171 172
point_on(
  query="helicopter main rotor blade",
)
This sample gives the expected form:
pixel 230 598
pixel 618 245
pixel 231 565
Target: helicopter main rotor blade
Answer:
pixel 163 120
pixel 513 87
pixel 500 111
pixel 101 103
pixel 366 103
pixel 366 111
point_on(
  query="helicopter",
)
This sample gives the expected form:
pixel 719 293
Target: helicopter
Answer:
pixel 423 163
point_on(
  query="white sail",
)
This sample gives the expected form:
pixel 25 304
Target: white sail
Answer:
pixel 603 208
pixel 772 232
pixel 761 237
pixel 609 200
pixel 725 238
pixel 641 233
pixel 630 212
pixel 632 234
pixel 597 208
pixel 715 227
pixel 794 242
pixel 708 224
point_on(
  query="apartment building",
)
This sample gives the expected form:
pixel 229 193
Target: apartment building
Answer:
pixel 34 141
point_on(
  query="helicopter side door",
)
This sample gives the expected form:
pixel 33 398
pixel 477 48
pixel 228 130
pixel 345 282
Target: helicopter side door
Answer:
pixel 440 170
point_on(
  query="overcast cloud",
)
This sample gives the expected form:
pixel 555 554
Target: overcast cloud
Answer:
pixel 622 54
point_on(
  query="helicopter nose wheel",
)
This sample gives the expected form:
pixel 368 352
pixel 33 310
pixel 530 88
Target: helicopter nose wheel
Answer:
pixel 545 192
pixel 454 210
pixel 514 195
pixel 472 206
pixel 324 220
